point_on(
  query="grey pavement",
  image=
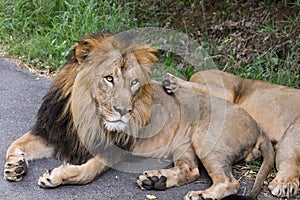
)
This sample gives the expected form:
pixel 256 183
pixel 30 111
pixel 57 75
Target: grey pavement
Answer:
pixel 21 94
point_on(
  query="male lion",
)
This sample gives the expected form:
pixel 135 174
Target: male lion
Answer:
pixel 276 108
pixel 103 107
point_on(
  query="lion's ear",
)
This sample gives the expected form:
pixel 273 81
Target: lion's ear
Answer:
pixel 146 55
pixel 83 47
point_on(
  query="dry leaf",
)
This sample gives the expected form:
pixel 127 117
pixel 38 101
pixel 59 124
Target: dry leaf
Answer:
pixel 150 196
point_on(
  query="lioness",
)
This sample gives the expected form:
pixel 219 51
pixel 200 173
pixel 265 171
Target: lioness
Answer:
pixel 102 107
pixel 276 108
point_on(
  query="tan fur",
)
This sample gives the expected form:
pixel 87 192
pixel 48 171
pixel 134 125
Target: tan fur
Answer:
pixel 113 109
pixel 276 108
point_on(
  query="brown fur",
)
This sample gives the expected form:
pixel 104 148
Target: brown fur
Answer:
pixel 103 103
pixel 276 108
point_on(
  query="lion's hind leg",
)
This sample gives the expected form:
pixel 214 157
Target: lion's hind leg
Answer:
pixel 27 147
pixel 171 83
pixel 286 182
pixel 224 183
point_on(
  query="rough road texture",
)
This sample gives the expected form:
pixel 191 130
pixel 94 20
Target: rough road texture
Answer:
pixel 20 96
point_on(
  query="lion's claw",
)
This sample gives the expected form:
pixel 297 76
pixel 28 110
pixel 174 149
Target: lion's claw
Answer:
pixel 14 171
pixel 48 180
pixel 284 187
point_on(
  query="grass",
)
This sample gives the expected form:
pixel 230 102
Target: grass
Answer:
pixel 270 67
pixel 169 63
pixel 267 67
pixel 40 32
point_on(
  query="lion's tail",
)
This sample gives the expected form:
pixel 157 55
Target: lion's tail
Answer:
pixel 268 154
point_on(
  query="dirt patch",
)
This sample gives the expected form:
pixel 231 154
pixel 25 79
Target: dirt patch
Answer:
pixel 236 33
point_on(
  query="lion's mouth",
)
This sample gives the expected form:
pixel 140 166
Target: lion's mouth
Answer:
pixel 116 119
pixel 115 125
pixel 116 122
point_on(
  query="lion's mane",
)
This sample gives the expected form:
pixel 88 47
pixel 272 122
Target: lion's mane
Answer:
pixel 68 118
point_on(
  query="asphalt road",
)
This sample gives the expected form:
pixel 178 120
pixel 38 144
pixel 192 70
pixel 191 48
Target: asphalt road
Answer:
pixel 21 93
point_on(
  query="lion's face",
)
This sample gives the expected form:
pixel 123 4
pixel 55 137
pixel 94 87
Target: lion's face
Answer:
pixel 120 83
pixel 112 93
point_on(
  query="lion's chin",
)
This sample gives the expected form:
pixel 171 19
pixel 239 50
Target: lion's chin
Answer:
pixel 116 126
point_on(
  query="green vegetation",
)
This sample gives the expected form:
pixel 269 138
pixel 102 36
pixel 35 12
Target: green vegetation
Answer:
pixel 40 32
pixel 253 43
pixel 257 40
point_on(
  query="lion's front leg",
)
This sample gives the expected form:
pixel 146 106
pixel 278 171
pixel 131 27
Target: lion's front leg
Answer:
pixel 185 170
pixel 73 174
pixel 27 147
pixel 167 178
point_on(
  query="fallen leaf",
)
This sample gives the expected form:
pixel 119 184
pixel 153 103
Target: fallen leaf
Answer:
pixel 149 196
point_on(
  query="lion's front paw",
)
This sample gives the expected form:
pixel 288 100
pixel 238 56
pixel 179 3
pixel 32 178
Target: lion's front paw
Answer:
pixel 152 182
pixel 284 186
pixel 169 83
pixel 15 169
pixel 206 194
pixel 193 195
pixel 49 180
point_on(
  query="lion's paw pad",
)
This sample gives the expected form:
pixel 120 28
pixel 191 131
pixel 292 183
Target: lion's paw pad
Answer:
pixel 284 187
pixel 47 180
pixel 169 83
pixel 152 182
pixel 14 171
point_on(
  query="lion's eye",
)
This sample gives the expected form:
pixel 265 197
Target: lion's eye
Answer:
pixel 134 82
pixel 109 79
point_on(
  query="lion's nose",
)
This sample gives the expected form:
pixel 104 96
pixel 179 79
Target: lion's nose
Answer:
pixel 122 111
